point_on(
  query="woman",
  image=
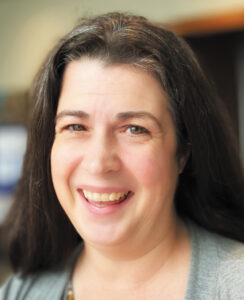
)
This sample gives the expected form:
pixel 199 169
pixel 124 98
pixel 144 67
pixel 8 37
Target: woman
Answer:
pixel 132 187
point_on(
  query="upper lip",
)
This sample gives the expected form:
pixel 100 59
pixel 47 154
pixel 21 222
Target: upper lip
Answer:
pixel 108 190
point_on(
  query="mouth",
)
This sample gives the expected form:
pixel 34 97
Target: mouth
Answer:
pixel 105 199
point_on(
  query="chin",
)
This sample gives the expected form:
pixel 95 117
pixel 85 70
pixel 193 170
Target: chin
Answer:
pixel 102 234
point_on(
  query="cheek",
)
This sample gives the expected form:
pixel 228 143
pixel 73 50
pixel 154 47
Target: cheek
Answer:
pixel 145 170
pixel 63 161
pixel 152 167
pixel 143 166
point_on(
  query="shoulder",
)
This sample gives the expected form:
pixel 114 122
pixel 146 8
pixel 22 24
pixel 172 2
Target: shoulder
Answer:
pixel 230 283
pixel 215 247
pixel 45 285
pixel 217 268
pixel 48 285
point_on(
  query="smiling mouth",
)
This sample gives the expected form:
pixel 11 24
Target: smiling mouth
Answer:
pixel 105 199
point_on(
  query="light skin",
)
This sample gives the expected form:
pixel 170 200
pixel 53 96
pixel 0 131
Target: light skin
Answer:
pixel 114 132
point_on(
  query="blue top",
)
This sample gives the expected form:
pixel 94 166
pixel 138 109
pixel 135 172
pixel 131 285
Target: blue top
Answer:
pixel 216 272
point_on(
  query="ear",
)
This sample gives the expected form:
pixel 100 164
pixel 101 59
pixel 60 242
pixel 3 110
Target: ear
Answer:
pixel 183 161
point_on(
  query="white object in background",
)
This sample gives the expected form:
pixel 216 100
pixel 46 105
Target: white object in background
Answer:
pixel 12 148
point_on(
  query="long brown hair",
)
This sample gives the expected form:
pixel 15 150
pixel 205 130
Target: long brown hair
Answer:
pixel 211 188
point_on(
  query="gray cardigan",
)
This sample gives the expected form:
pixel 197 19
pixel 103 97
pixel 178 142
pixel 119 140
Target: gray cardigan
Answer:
pixel 216 272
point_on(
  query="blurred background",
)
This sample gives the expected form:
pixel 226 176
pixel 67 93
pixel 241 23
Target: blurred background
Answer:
pixel 29 28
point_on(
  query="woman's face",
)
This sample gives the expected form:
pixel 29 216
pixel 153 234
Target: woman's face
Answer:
pixel 113 159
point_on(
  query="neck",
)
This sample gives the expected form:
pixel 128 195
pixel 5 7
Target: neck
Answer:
pixel 138 264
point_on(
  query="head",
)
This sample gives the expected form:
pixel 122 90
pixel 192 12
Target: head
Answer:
pixel 114 134
pixel 204 190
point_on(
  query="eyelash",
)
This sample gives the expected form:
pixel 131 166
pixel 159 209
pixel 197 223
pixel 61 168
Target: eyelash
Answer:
pixel 142 130
pixel 76 127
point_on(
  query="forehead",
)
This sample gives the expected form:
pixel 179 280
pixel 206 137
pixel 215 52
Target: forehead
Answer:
pixel 88 82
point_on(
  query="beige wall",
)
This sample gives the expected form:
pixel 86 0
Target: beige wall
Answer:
pixel 28 28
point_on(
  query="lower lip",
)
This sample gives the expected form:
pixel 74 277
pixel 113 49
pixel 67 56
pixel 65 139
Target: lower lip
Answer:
pixel 106 210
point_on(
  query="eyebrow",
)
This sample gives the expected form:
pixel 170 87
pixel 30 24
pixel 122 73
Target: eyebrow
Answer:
pixel 127 115
pixel 72 113
pixel 138 115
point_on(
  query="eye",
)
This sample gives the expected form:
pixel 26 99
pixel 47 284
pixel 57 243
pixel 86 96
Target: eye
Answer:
pixel 76 127
pixel 137 130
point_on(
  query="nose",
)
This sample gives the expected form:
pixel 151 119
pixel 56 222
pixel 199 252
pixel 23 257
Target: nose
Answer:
pixel 101 156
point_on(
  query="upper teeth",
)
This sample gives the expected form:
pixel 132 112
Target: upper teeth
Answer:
pixel 103 197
